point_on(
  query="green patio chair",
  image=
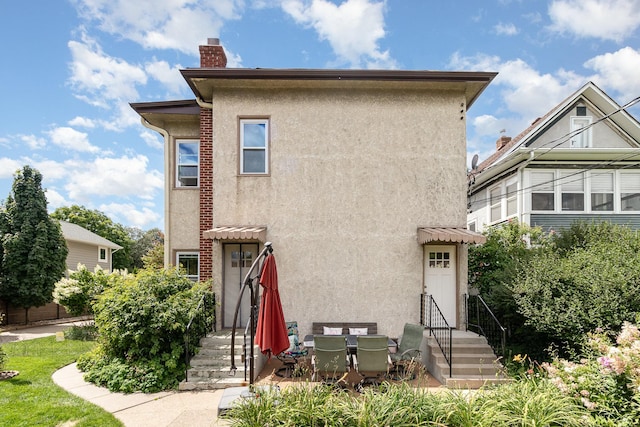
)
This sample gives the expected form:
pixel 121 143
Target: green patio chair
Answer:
pixel 330 360
pixel 372 359
pixel 408 352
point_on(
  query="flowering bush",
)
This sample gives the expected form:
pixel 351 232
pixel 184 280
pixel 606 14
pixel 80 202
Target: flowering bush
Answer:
pixel 607 380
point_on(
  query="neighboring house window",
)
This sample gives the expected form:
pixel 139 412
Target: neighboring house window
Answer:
pixel 189 263
pixel 542 196
pixel 187 162
pixel 471 226
pixel 572 187
pixel 254 146
pixel 630 191
pixel 512 198
pixel 602 191
pixel 495 195
pixel 102 254
pixel 581 132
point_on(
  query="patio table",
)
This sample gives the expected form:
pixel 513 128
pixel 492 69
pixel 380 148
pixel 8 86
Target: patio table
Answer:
pixel 352 343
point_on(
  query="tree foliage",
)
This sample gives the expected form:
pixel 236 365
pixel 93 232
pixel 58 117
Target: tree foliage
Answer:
pixel 34 250
pixel 143 242
pixel 588 280
pixel 100 224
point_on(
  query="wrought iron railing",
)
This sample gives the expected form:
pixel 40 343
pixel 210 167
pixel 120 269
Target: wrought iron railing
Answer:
pixel 432 318
pixel 201 322
pixel 481 320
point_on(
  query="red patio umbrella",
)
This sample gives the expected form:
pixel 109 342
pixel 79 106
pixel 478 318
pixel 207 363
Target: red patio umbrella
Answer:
pixel 271 333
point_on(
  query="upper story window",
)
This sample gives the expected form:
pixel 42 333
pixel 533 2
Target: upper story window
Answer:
pixel 580 132
pixel 512 198
pixel 188 262
pixel 629 191
pixel 542 192
pixel 187 162
pixel 254 146
pixel 495 195
pixel 602 191
pixel 572 187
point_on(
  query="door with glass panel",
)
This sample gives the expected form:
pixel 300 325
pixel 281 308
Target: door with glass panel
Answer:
pixel 440 279
pixel 238 258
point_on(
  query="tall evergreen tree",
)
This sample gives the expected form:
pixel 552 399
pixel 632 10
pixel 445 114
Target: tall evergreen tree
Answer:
pixel 34 249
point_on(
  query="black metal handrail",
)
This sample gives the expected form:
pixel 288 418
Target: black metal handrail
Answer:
pixel 431 317
pixel 481 320
pixel 200 312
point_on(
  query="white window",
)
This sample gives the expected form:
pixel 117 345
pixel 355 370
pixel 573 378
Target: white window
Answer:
pixel 471 226
pixel 572 187
pixel 495 195
pixel 189 262
pixel 580 132
pixel 512 198
pixel 542 195
pixel 602 191
pixel 254 146
pixel 102 254
pixel 187 163
pixel 629 191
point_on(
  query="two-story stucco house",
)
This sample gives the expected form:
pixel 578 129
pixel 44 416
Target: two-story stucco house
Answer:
pixel 357 177
pixel 578 162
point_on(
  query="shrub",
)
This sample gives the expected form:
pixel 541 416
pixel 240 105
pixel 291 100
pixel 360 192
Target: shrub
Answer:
pixel 607 380
pixel 79 291
pixel 141 322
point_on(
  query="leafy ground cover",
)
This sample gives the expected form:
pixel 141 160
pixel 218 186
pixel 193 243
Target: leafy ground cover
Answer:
pixel 33 399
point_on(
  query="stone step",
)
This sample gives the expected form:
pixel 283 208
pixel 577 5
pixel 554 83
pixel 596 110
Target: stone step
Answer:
pixel 222 350
pixel 483 358
pixel 462 348
pixel 469 369
pixel 213 384
pixel 473 382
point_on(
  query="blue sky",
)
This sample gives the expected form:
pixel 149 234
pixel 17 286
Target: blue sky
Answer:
pixel 71 68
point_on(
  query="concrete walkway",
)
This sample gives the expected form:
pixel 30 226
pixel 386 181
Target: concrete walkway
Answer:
pixel 164 409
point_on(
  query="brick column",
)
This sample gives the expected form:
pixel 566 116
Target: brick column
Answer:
pixel 211 56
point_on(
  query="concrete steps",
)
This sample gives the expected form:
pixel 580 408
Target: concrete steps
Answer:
pixel 473 362
pixel 210 367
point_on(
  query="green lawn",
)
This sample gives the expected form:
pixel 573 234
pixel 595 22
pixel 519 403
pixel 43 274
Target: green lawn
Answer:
pixel 33 399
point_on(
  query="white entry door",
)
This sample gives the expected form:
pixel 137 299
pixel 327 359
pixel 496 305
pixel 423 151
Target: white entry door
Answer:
pixel 237 262
pixel 440 279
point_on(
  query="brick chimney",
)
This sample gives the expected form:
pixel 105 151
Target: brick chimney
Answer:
pixel 212 55
pixel 502 141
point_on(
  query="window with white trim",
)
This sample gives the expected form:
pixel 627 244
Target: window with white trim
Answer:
pixel 542 191
pixel 512 198
pixel 102 254
pixel 495 195
pixel 601 191
pixel 629 191
pixel 188 262
pixel 254 146
pixel 187 162
pixel 580 132
pixel 572 188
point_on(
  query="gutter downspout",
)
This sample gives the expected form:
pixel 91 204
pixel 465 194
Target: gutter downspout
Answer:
pixel 167 186
pixel 203 104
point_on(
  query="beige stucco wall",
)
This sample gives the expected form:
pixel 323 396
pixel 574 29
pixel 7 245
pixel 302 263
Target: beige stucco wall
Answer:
pixel 353 175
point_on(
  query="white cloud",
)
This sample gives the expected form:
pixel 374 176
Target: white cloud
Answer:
pixel 8 167
pixel 352 28
pixel 152 140
pixel 129 214
pixel 71 139
pixel 618 71
pixel 169 76
pixel 175 24
pixel 99 77
pixel 54 199
pixel 123 177
pixel 82 122
pixel 505 29
pixel 34 142
pixel 603 19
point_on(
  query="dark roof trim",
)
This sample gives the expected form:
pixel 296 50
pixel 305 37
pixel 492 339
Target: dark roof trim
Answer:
pixel 187 107
pixel 332 74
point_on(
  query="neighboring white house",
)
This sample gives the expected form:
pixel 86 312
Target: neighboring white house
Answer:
pixel 581 161
pixel 86 247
